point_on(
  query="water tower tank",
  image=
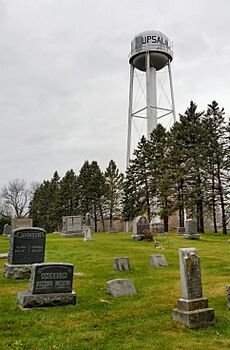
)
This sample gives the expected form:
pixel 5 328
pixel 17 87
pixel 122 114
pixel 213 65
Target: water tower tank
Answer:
pixel 158 46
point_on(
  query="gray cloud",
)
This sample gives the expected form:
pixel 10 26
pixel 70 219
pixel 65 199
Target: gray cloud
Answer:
pixel 64 75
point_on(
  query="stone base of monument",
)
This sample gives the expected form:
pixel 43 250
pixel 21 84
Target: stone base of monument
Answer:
pixel 17 271
pixel 194 236
pixel 29 300
pixel 72 234
pixel 137 237
pixel 194 313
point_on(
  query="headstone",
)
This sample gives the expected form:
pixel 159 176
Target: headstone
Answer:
pixel 87 230
pixel 193 309
pixel 228 296
pixel 87 219
pixel 27 246
pixel 50 285
pixel 121 287
pixel 72 226
pixel 141 227
pixel 191 229
pixel 121 264
pixel 6 230
pixel 158 260
pixel 87 233
pixel 21 222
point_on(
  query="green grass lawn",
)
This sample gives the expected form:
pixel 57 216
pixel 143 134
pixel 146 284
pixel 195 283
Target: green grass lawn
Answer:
pixel 99 321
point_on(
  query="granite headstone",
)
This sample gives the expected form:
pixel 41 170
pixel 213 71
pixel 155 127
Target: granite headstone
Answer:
pixel 27 246
pixel 50 285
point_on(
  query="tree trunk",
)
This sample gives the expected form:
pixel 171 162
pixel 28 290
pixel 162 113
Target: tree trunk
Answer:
pixel 147 199
pixel 102 218
pixel 181 200
pixel 220 189
pixel 214 204
pixel 200 214
pixel 95 217
pixel 111 217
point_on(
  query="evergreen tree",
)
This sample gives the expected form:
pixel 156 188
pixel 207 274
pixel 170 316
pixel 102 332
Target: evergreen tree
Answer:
pixel 218 165
pixel 191 137
pixel 91 183
pixel 113 193
pixel 68 200
pixel 44 206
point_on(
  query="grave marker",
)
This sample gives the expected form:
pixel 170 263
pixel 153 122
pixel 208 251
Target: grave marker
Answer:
pixel 191 229
pixel 72 226
pixel 158 260
pixel 6 230
pixel 27 246
pixel 121 287
pixel 121 264
pixel 50 285
pixel 193 309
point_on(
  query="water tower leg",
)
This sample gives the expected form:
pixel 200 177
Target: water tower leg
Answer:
pixel 151 97
pixel 130 115
pixel 172 93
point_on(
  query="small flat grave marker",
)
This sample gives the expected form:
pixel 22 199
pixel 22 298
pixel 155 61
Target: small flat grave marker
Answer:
pixel 121 264
pixel 158 260
pixel 121 287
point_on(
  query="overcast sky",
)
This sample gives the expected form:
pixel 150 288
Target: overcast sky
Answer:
pixel 64 75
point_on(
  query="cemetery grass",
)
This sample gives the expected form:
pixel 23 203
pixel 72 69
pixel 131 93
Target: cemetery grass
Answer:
pixel 99 321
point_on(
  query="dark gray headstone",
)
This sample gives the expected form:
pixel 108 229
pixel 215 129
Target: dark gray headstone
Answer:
pixel 51 278
pixel 50 285
pixel 27 246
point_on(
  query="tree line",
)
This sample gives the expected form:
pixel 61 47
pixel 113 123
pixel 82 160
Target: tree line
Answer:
pixel 186 169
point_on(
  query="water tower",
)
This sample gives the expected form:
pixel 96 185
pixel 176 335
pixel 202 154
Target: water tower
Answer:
pixel 151 52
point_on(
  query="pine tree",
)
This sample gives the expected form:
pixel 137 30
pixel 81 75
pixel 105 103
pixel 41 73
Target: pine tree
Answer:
pixel 192 140
pixel 113 193
pixel 69 195
pixel 91 183
pixel 218 165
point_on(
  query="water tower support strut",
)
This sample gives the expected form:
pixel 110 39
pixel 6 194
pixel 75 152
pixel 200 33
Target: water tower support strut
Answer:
pixel 130 112
pixel 172 94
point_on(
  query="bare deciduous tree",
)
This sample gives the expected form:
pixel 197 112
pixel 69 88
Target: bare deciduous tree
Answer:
pixel 17 196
